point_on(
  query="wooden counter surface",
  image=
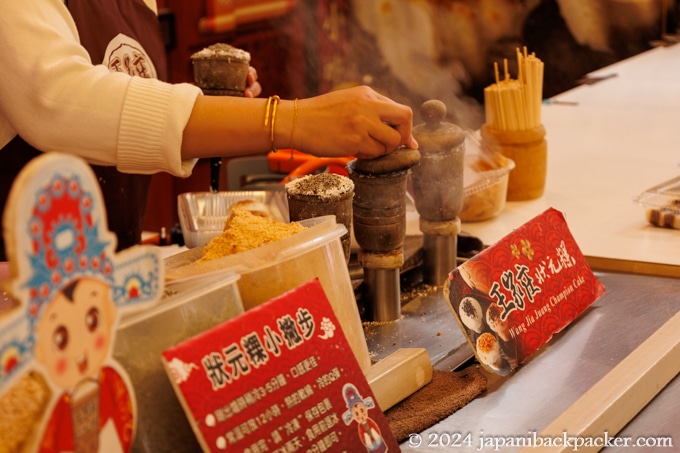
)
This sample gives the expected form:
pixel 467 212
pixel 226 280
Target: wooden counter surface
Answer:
pixel 621 138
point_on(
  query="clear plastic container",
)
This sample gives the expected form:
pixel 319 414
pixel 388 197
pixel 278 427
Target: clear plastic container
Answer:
pixel 485 180
pixel 273 269
pixel 662 204
pixel 186 309
pixel 202 214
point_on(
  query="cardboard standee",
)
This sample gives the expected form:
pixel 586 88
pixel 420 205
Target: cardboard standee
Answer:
pixel 60 388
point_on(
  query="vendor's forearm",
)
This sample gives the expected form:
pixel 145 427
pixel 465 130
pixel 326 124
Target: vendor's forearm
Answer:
pixel 210 131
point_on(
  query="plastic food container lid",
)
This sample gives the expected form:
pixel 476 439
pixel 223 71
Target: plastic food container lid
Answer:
pixel 481 172
pixel 202 214
pixel 320 230
pixel 182 292
pixel 662 203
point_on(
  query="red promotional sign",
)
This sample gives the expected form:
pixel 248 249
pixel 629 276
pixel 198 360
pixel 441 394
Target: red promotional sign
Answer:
pixel 279 378
pixel 512 297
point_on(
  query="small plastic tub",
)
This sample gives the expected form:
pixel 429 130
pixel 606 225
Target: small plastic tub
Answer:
pixel 662 204
pixel 485 186
pixel 273 269
pixel 186 309
pixel 202 214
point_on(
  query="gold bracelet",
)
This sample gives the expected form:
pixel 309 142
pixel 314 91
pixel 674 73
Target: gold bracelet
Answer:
pixel 272 103
pixel 292 129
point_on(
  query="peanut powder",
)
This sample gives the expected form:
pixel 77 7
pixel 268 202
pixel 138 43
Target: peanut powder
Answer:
pixel 245 231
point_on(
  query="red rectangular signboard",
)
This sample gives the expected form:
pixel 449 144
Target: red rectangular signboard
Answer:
pixel 512 297
pixel 279 378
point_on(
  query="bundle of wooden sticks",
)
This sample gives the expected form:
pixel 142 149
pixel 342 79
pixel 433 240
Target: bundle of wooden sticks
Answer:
pixel 515 104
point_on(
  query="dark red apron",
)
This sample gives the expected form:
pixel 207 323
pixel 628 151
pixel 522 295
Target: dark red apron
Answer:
pixel 98 22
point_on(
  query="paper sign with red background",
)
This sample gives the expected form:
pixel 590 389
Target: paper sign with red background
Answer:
pixel 279 378
pixel 512 297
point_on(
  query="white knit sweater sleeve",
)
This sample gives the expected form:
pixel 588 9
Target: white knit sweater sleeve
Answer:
pixel 57 100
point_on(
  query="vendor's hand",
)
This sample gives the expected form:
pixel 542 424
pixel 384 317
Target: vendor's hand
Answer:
pixel 253 88
pixel 353 122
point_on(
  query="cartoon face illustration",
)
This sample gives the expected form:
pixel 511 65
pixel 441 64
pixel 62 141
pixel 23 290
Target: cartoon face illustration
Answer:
pixel 74 335
pixel 359 413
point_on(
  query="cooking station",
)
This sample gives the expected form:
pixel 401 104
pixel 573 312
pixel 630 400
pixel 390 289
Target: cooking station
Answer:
pixel 408 302
pixel 403 277
pixel 631 259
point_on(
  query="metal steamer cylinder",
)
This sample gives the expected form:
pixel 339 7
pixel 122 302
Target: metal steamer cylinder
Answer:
pixel 379 211
pixel 438 189
pixel 440 244
pixel 379 223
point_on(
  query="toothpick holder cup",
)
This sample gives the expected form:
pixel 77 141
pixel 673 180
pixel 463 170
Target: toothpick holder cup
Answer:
pixel 529 150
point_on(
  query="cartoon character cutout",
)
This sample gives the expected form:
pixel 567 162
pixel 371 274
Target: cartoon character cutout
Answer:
pixel 71 287
pixel 357 411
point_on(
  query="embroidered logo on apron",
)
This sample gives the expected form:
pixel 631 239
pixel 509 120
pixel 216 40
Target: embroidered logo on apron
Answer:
pixel 124 54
